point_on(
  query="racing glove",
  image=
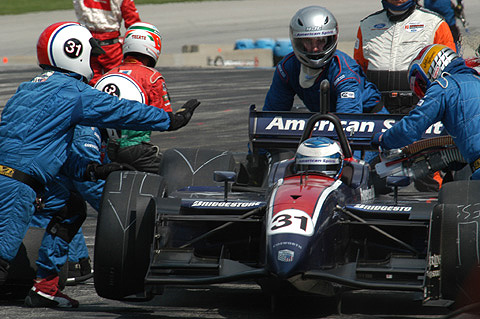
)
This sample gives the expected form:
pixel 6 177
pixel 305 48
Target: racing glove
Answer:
pixel 97 171
pixel 183 115
pixel 376 141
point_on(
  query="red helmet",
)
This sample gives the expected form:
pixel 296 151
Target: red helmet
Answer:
pixel 68 46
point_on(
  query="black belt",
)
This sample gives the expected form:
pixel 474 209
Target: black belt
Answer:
pixel 107 42
pixel 22 177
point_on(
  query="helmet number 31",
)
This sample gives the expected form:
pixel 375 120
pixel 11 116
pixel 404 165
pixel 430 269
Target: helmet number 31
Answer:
pixel 73 48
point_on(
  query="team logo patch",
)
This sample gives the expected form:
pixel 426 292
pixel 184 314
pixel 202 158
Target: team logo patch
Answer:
pixel 285 255
pixel 347 95
pixel 414 27
pixel 379 26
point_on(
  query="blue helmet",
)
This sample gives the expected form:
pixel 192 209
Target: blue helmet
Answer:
pixel 319 154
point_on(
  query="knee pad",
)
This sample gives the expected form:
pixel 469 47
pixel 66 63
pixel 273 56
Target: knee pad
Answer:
pixel 67 221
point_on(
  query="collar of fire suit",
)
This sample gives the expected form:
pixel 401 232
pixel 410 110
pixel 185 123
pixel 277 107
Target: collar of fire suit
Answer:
pixel 69 73
pixel 400 17
pixel 308 76
pixel 131 60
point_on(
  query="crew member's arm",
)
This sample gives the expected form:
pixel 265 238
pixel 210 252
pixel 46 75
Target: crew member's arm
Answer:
pixel 280 96
pixel 129 13
pixel 428 111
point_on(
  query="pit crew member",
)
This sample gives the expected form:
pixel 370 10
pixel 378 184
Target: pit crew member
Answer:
pixel 389 39
pixel 314 37
pixel 449 92
pixel 37 126
pixel 142 48
pixel 104 20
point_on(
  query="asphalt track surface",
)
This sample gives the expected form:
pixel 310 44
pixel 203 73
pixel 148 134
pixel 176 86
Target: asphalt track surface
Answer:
pixel 220 123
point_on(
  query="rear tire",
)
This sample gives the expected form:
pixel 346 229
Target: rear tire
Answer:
pixel 459 241
pixel 183 167
pixel 124 235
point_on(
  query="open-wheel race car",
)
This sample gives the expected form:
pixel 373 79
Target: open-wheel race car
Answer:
pixel 199 223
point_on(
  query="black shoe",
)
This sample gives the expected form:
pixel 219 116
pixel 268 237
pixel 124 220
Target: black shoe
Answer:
pixel 79 271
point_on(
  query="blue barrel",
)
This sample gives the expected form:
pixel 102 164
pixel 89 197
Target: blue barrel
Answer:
pixel 243 44
pixel 282 47
pixel 265 43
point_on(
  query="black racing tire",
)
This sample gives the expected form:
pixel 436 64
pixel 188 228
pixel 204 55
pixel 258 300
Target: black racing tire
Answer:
pixel 182 167
pixel 23 268
pixel 459 240
pixel 124 234
pixel 460 192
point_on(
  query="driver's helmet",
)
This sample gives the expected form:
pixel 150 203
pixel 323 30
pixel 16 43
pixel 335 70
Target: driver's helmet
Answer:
pixel 319 154
pixel 143 38
pixel 428 66
pixel 68 46
pixel 314 36
pixel 122 86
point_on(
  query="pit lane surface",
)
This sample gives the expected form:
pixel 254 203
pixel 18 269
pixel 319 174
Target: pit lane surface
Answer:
pixel 220 123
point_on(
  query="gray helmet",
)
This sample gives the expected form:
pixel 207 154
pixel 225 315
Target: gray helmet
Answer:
pixel 314 36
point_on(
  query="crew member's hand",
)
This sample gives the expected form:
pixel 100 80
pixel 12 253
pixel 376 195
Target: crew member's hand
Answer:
pixel 376 140
pixel 183 115
pixel 97 171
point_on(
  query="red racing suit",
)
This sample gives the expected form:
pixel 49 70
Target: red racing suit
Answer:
pixel 134 147
pixel 103 19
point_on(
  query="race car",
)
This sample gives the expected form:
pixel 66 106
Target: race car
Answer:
pixel 198 222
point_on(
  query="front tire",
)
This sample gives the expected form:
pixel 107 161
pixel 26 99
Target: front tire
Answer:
pixel 124 233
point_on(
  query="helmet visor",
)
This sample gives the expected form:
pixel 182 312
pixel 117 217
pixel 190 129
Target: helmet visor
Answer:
pixel 315 47
pixel 418 83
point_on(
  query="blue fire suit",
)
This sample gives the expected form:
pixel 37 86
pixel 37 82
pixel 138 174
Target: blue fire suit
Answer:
pixel 442 7
pixel 53 252
pixel 454 99
pixel 350 92
pixel 36 129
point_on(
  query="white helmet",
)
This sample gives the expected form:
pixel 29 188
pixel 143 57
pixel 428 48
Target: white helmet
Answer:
pixel 122 86
pixel 319 154
pixel 143 38
pixel 314 36
pixel 68 46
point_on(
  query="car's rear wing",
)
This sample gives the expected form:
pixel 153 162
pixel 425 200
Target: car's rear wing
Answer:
pixel 283 130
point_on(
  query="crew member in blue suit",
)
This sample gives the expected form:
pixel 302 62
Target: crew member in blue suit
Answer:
pixel 314 37
pixel 448 11
pixel 449 92
pixel 38 122
pixel 87 147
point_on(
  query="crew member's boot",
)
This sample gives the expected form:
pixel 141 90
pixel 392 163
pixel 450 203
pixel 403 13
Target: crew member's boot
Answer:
pixel 46 293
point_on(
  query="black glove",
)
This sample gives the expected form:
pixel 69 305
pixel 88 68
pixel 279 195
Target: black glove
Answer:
pixel 182 116
pixel 97 171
